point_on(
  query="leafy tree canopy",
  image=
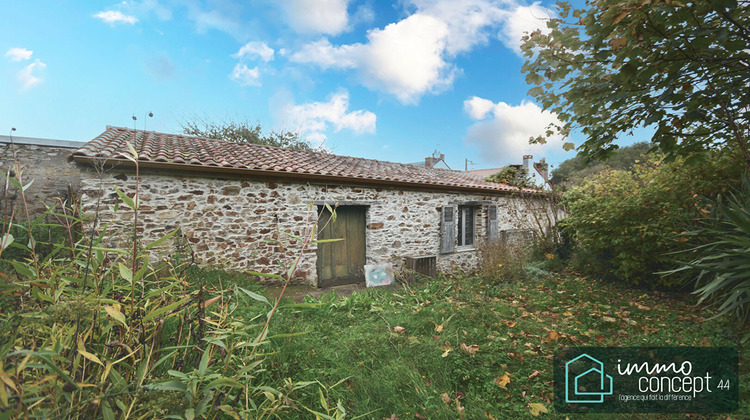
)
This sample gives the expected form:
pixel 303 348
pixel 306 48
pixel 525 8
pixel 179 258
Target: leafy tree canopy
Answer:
pixel 514 176
pixel 576 169
pixel 681 67
pixel 243 132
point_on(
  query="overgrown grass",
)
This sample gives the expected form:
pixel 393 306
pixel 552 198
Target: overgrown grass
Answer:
pixel 459 347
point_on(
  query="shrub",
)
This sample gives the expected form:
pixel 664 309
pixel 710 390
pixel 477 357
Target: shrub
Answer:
pixel 625 223
pixel 502 261
pixel 721 264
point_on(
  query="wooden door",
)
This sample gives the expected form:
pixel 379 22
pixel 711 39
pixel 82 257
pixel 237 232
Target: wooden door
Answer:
pixel 342 262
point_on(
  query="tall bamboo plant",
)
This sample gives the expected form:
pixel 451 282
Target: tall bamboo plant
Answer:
pixel 105 333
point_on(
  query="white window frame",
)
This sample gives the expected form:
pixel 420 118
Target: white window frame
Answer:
pixel 461 227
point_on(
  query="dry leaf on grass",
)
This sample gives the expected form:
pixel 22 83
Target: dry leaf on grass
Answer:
pixel 445 397
pixel 536 409
pixel 502 381
pixel 469 349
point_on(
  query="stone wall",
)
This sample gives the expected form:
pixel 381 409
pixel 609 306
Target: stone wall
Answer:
pixel 46 164
pixel 226 220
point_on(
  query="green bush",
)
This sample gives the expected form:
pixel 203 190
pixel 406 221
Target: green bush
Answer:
pixel 625 223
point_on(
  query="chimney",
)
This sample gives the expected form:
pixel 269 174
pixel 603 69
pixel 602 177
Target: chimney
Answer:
pixel 527 163
pixel 543 169
pixel 428 162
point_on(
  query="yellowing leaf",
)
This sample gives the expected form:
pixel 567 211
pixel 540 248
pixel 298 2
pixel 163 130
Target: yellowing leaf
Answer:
pixel 550 256
pixel 536 409
pixel 439 328
pixel 90 356
pixel 608 319
pixel 510 324
pixel 553 336
pixel 117 315
pixel 502 381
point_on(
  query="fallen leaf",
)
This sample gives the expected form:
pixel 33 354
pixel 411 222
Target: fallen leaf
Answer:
pixel 398 329
pixel 392 417
pixel 609 319
pixel 553 336
pixel 419 416
pixel 536 409
pixel 445 397
pixel 534 374
pixel 459 409
pixel 439 328
pixel 469 349
pixel 502 381
pixel 510 324
pixel 550 256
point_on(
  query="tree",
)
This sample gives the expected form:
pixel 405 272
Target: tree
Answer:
pixel 681 68
pixel 243 132
pixel 514 176
pixel 576 169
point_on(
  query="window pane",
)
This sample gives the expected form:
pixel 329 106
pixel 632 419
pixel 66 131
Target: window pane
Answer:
pixel 465 226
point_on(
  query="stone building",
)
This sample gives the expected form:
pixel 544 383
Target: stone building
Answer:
pixel 246 206
pixel 43 163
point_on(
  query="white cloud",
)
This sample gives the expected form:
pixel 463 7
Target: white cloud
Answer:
pixel 312 120
pixel 245 76
pixel 413 57
pixel 317 16
pixel 323 54
pixel 523 20
pixel 255 49
pixel 477 107
pixel 114 17
pixel 504 137
pixel 27 75
pixel 18 54
pixel 468 21
pixel 404 58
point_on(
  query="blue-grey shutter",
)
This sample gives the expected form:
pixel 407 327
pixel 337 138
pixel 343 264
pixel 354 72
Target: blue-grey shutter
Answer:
pixel 447 229
pixel 492 223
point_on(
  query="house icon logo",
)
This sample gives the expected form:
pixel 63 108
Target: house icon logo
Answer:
pixel 585 380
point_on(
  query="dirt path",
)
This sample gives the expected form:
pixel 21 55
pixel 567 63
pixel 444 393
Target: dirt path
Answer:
pixel 298 292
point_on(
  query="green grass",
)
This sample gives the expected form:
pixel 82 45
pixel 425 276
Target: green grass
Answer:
pixel 460 337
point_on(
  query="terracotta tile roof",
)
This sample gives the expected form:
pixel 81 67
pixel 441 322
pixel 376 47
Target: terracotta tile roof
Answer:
pixel 484 173
pixel 177 152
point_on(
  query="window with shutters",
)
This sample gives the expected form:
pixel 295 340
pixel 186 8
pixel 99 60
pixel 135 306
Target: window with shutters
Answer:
pixel 465 222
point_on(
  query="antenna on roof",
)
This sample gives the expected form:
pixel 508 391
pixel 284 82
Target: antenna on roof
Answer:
pixel 468 162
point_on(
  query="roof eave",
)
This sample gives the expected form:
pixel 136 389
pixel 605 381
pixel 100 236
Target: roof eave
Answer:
pixel 287 175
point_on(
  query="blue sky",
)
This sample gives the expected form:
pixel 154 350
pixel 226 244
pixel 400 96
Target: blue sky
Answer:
pixel 381 80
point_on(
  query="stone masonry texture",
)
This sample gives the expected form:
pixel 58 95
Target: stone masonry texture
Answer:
pixel 48 167
pixel 233 222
